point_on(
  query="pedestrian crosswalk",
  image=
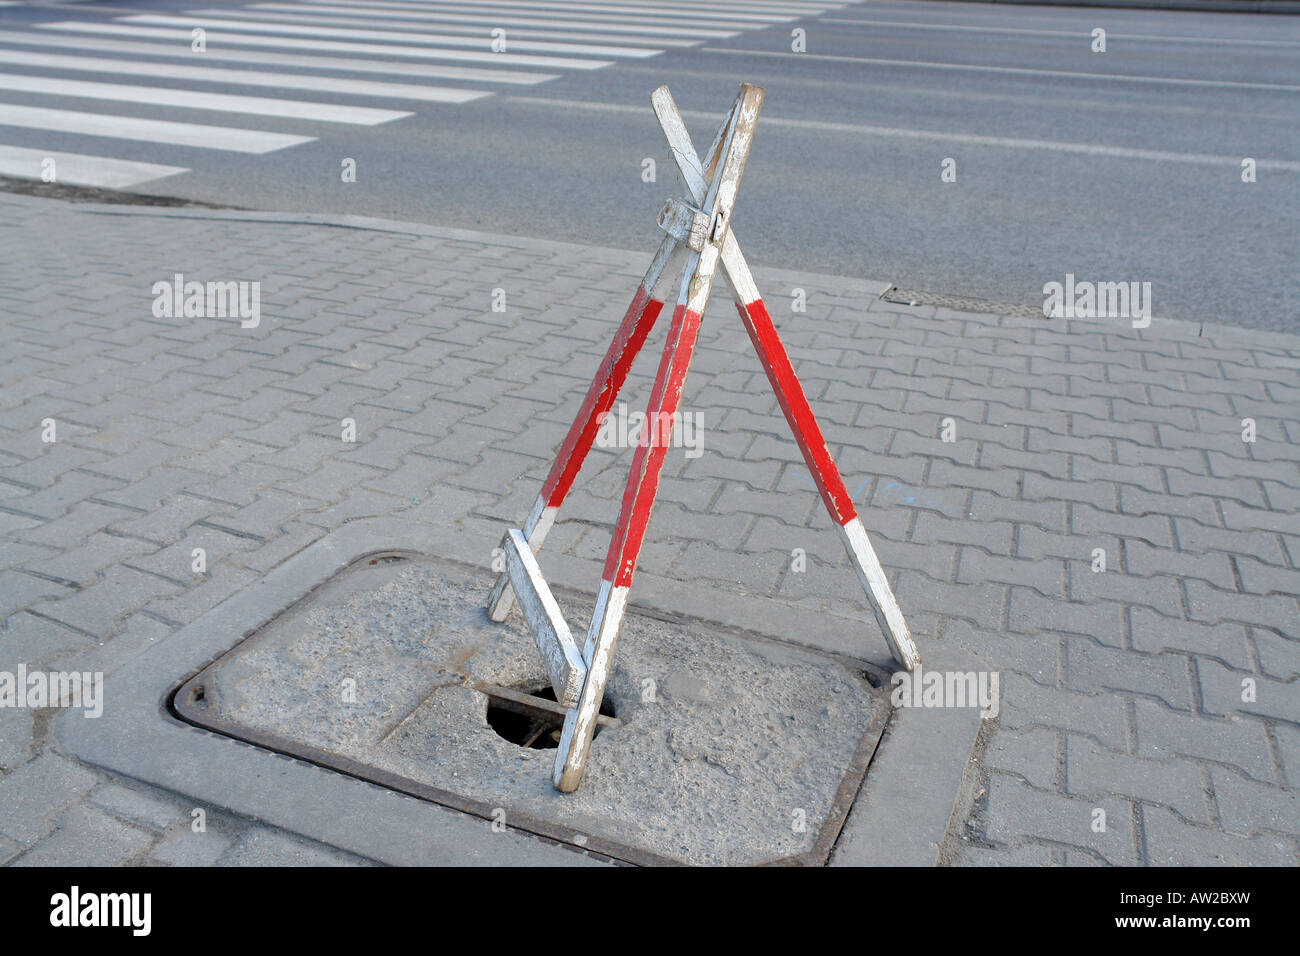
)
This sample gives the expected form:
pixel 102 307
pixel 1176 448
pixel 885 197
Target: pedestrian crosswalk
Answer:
pixel 330 62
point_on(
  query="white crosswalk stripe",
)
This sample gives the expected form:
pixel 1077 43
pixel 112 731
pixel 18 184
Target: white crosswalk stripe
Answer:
pixel 467 34
pixel 176 71
pixel 465 23
pixel 148 130
pixel 391 36
pixel 223 38
pixel 390 54
pixel 431 71
pixel 76 169
pixel 194 100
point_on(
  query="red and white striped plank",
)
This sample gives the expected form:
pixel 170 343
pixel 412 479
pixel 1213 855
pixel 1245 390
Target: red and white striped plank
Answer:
pixel 654 439
pixel 794 403
pixel 605 386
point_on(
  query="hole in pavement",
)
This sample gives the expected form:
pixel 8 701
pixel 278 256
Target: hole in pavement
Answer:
pixel 530 730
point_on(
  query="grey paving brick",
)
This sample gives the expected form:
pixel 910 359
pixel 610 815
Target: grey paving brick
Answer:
pixel 1015 812
pixel 1248 806
pixel 1163 733
pixel 16 726
pixel 1161 593
pixel 140 805
pixel 981 604
pixel 31 639
pixel 88 837
pixel 1044 575
pixel 1196 537
pixel 1031 612
pixel 1093 667
pixel 1279 657
pixel 1047 515
pixel 1027 704
pixel 1171 842
pixel 32 794
pixel 1036 656
pixel 1210 604
pixel 1094 771
pixel 1145 561
pixel 1028 854
pixel 1223 692
pixel 96 609
pixel 1151 632
pixel 1030 754
pixel 182 846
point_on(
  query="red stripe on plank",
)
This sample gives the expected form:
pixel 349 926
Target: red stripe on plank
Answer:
pixel 643 482
pixel 797 411
pixel 636 325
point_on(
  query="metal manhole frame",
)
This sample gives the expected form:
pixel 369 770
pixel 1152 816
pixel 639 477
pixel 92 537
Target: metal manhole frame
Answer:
pixel 182 702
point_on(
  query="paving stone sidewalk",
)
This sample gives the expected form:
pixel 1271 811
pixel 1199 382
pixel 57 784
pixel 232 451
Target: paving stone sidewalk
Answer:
pixel 1162 690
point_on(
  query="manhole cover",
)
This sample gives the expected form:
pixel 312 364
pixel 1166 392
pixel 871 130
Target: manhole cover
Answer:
pixel 717 746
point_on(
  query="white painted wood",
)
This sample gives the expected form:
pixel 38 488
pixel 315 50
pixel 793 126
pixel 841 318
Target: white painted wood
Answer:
pixel 536 526
pixel 884 605
pixel 559 652
pixel 349 86
pixel 602 636
pixel 77 169
pixel 149 131
pixel 580 721
pixel 198 100
pixel 888 614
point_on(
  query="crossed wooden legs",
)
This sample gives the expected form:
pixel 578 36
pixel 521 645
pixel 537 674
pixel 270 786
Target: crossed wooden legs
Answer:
pixel 703 238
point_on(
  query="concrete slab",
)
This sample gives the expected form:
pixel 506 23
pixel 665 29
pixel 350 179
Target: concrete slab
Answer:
pixel 732 749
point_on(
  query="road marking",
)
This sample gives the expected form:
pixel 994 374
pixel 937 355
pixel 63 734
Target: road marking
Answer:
pixel 650 33
pixel 77 169
pixel 320 46
pixel 202 74
pixel 1059 33
pixel 480 33
pixel 427 70
pixel 999 142
pixel 753 13
pixel 195 100
pixel 149 130
pixel 1023 71
pixel 431 39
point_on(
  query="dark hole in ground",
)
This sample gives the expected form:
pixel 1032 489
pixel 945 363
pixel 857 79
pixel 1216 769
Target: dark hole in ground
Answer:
pixel 533 732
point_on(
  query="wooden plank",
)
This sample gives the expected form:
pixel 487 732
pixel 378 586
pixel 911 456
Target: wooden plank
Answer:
pixel 794 403
pixel 559 653
pixel 730 155
pixel 538 708
pixel 605 386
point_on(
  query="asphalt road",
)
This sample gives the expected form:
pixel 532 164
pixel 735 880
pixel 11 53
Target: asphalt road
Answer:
pixel 1115 166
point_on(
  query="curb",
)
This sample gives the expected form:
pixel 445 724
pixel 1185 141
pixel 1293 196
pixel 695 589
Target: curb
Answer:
pixel 871 289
